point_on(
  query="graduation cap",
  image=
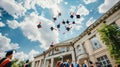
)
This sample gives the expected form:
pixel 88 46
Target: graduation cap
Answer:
pixel 73 22
pixel 63 22
pixel 59 14
pixel 77 16
pixel 39 26
pixel 58 26
pixel 67 22
pixel 67 28
pixel 54 18
pixel 51 28
pixel 10 52
pixel 71 16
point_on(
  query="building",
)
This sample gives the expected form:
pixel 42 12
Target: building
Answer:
pixel 86 46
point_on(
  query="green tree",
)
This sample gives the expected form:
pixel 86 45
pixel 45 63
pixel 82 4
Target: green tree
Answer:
pixel 110 35
pixel 14 63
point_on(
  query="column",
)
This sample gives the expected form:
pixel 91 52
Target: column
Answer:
pixel 44 63
pixel 39 63
pixel 73 58
pixel 52 62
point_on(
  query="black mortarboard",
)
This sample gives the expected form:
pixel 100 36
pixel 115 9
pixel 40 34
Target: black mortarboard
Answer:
pixel 67 22
pixel 39 26
pixel 73 22
pixel 54 18
pixel 27 61
pixel 9 52
pixel 59 14
pixel 71 16
pixel 77 16
pixel 58 26
pixel 63 22
pixel 67 28
pixel 51 28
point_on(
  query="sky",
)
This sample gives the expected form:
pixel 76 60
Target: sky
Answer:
pixel 19 20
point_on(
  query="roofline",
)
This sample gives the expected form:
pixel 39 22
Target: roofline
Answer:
pixel 111 11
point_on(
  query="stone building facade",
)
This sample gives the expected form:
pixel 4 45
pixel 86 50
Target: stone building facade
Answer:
pixel 87 46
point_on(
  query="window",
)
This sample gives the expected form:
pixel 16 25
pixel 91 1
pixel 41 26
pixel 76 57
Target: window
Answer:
pixel 68 49
pixel 104 61
pixel 80 49
pixel 95 43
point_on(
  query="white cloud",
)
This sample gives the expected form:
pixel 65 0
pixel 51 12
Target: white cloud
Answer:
pixel 106 5
pixel 82 10
pixel 32 54
pixel 50 4
pixel 89 1
pixel 2 54
pixel 66 3
pixel 44 35
pixel 79 21
pixel 2 24
pixel 18 8
pixel 13 24
pixel 24 56
pixel 90 21
pixel 78 27
pixel 5 44
pixel 21 56
pixel 12 7
pixel 72 8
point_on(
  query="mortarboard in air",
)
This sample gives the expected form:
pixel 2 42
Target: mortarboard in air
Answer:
pixel 67 22
pixel 71 16
pixel 59 14
pixel 77 16
pixel 51 28
pixel 39 26
pixel 63 22
pixel 54 18
pixel 58 26
pixel 73 22
pixel 67 28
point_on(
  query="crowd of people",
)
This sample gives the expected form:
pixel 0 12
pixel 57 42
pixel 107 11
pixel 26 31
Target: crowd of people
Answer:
pixel 6 61
pixel 85 64
pixel 70 64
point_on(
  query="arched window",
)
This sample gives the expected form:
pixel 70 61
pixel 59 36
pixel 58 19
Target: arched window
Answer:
pixel 95 42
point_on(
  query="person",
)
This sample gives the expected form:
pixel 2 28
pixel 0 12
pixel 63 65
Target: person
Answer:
pixel 91 64
pixel 0 58
pixel 60 63
pixel 27 64
pixel 68 63
pixel 84 64
pixel 77 64
pixel 98 64
pixel 6 62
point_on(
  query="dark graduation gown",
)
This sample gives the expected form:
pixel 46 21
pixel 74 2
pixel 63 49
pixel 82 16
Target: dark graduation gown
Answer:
pixel 9 64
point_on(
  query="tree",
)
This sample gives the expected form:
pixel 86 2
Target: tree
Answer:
pixel 14 63
pixel 110 35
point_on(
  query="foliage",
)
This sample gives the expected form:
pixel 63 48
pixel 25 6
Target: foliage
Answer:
pixel 110 35
pixel 18 63
pixel 14 63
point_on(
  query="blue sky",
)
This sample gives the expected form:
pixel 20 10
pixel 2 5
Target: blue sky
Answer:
pixel 19 20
